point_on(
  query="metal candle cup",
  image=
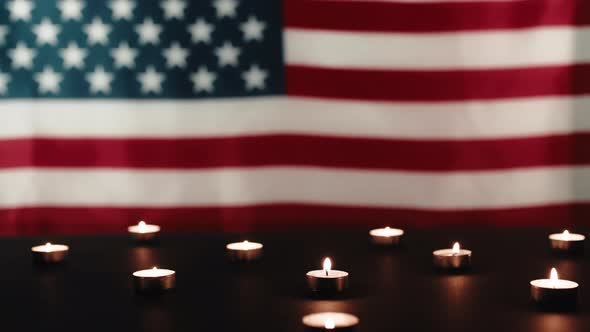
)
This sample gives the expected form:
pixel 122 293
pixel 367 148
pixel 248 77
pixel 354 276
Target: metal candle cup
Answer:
pixel 330 321
pixel 50 253
pixel 567 242
pixel 154 280
pixel 327 281
pixel 554 293
pixel 143 232
pixel 452 259
pixel 244 251
pixel 386 236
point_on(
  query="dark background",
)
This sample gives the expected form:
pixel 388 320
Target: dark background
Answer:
pixel 390 289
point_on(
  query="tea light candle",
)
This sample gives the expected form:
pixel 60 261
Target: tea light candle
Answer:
pixel 50 253
pixel 327 280
pixel 554 292
pixel 452 259
pixel 244 251
pixel 386 236
pixel 336 321
pixel 143 231
pixel 154 280
pixel 567 242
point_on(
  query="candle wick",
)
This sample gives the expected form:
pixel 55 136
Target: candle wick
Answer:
pixel 326 273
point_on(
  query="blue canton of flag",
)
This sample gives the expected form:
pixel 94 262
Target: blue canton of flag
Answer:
pixel 140 49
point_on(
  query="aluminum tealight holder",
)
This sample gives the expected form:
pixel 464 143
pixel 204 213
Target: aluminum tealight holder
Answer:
pixel 154 280
pixel 452 259
pixel 330 321
pixel 386 237
pixel 554 293
pixel 50 253
pixel 567 242
pixel 327 281
pixel 143 232
pixel 244 251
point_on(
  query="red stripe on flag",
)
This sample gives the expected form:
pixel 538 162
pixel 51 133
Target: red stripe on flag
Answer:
pixel 443 16
pixel 272 150
pixel 443 85
pixel 93 220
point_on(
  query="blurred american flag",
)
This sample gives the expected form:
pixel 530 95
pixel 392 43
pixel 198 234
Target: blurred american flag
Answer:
pixel 240 115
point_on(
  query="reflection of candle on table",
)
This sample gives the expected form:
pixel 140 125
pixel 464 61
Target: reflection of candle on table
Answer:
pixel 143 231
pixel 327 280
pixel 452 259
pixel 554 292
pixel 386 236
pixel 336 321
pixel 567 242
pixel 50 253
pixel 154 280
pixel 244 251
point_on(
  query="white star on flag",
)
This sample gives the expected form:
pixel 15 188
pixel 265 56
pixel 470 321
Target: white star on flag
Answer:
pixel 124 56
pixel 151 81
pixel 173 9
pixel 225 8
pixel 254 78
pixel 200 31
pixel 122 9
pixel 46 32
pixel 99 80
pixel 22 56
pixel 203 80
pixel 71 9
pixel 4 80
pixel 227 55
pixel 97 32
pixel 73 56
pixel 148 32
pixel 48 80
pixel 252 29
pixel 175 56
pixel 20 9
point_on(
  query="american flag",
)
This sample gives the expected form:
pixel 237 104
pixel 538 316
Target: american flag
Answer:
pixel 249 114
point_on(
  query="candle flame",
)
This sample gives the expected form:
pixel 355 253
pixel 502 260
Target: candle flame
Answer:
pixel 48 244
pixel 327 265
pixel 456 248
pixel 566 234
pixel 553 277
pixel 329 324
pixel 141 226
pixel 154 268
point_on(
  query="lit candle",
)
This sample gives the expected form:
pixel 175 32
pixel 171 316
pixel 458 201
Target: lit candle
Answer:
pixel 154 280
pixel 554 292
pixel 452 259
pixel 245 251
pixel 567 242
pixel 50 253
pixel 326 280
pixel 143 231
pixel 332 321
pixel 386 236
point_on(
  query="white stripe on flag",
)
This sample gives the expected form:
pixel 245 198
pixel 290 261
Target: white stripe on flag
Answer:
pixel 243 116
pixel 442 51
pixel 245 186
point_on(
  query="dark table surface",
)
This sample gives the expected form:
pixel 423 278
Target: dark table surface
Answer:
pixel 391 290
